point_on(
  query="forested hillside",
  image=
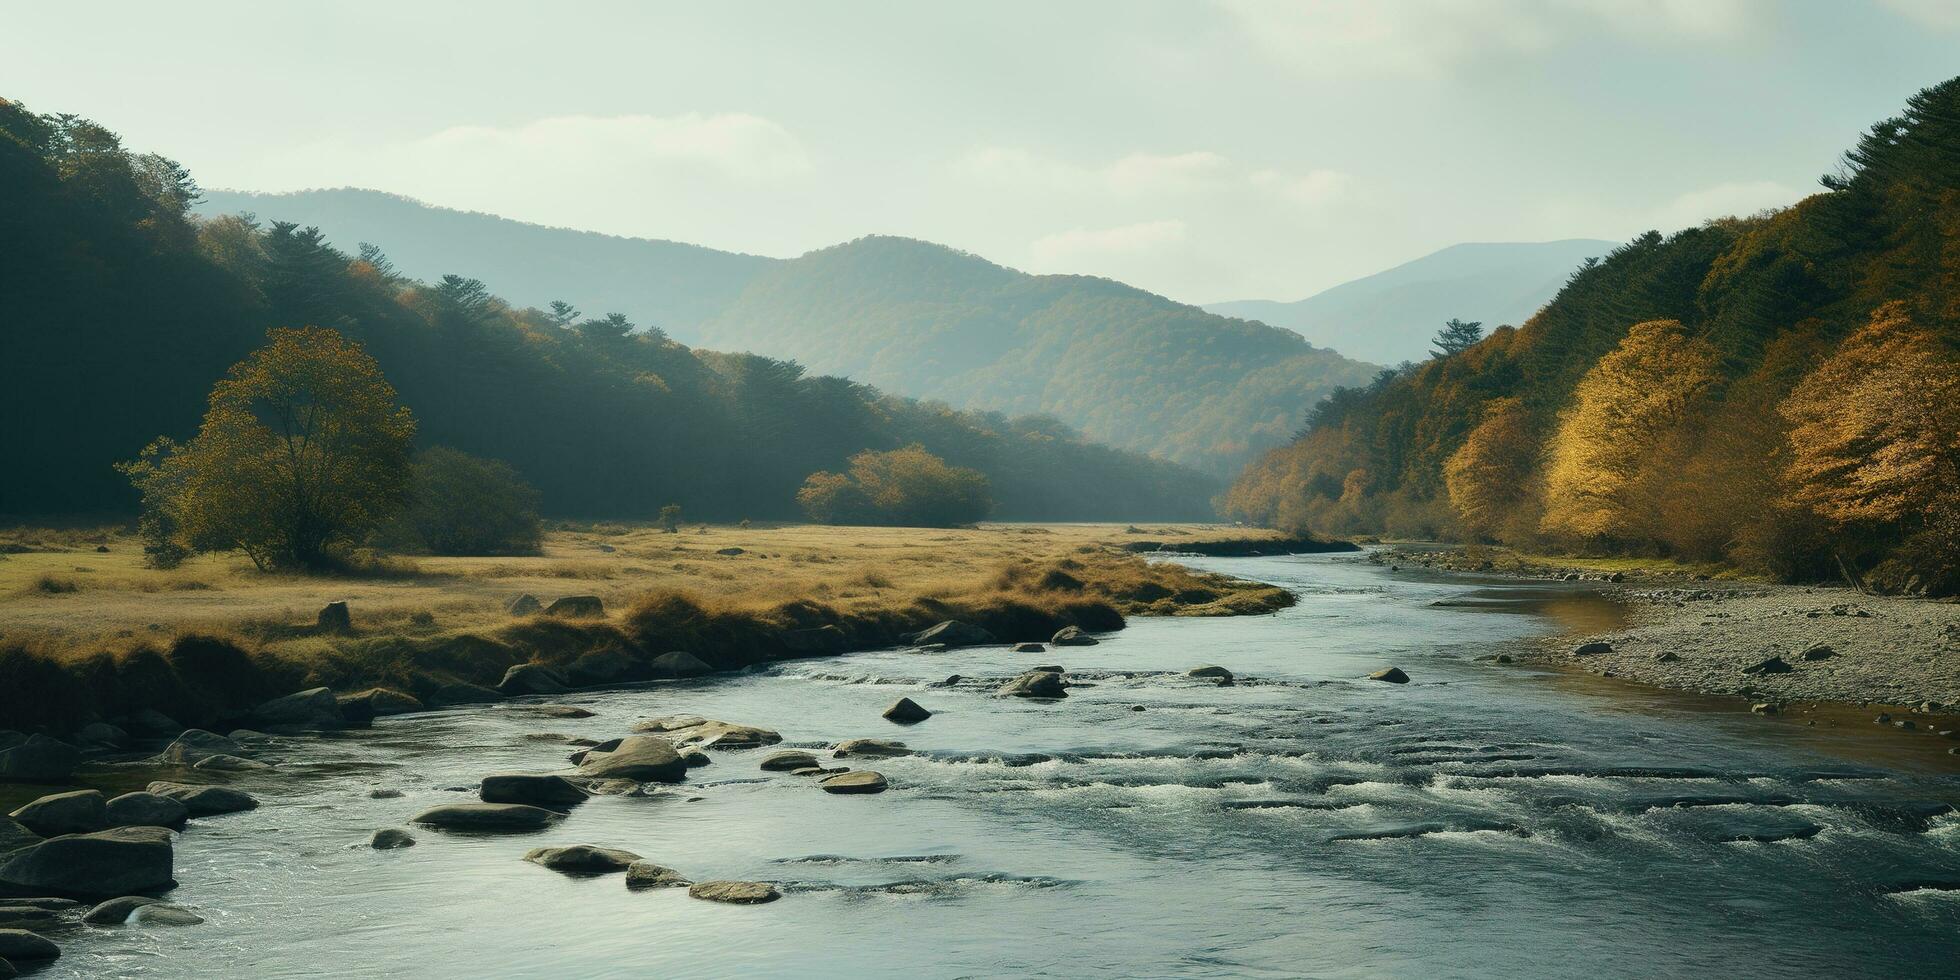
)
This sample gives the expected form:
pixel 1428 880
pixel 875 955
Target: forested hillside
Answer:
pixel 1127 367
pixel 1388 317
pixel 670 285
pixel 121 309
pixel 1781 392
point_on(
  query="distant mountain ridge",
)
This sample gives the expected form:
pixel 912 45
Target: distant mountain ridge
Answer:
pixel 671 285
pixel 1390 316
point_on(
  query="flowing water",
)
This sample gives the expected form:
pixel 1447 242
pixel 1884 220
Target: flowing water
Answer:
pixel 1478 821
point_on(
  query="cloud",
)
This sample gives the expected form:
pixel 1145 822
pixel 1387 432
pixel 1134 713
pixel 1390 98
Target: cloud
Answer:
pixel 1721 201
pixel 1149 173
pixel 1125 239
pixel 1938 14
pixel 732 144
pixel 1434 37
pixel 1152 175
pixel 1310 189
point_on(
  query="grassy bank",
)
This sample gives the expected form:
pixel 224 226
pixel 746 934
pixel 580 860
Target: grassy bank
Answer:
pixel 87 632
pixel 1507 561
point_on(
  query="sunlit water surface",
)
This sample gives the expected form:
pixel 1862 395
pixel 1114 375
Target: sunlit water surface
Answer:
pixel 1479 821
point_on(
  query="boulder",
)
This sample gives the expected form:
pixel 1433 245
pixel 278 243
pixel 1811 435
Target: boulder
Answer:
pixel 334 618
pixel 524 605
pixel 869 748
pixel 390 839
pixel 828 638
pixel 855 781
pixel 384 793
pixel 13 836
pixel 314 709
pixel 533 789
pixel 1588 649
pixel 205 801
pixel 645 758
pixel 229 763
pixel 145 810
pixel 151 723
pixel 707 733
pixel 1072 636
pixel 196 745
pixel 486 816
pixel 952 633
pixel 735 892
pixel 819 770
pixel 642 875
pixel 101 733
pixel 27 916
pixel 461 692
pixel 576 607
pixel 695 758
pixel 19 944
pixel 104 864
pixel 679 664
pixel 1029 648
pixel 379 702
pixel 1210 672
pixel 1774 665
pixel 612 665
pixel 524 679
pixel 1392 675
pixel 582 859
pixel 906 711
pixel 115 911
pixel 78 812
pixel 36 759
pixel 560 711
pixel 788 761
pixel 164 914
pixel 1818 651
pixel 1036 684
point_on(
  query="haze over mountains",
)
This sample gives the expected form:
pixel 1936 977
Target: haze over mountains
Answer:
pixel 1390 316
pixel 1124 366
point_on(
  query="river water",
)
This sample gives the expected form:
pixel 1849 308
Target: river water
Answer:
pixel 1479 821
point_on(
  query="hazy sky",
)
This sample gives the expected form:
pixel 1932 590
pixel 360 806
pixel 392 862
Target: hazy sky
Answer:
pixel 1206 150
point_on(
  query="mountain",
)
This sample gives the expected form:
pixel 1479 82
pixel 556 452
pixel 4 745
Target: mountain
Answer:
pixel 1779 392
pixel 1125 366
pixel 670 285
pixel 1389 317
pixel 119 309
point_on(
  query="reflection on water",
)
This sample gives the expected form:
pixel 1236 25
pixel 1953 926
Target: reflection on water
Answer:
pixel 1303 821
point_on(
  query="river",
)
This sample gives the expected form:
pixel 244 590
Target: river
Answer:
pixel 1478 821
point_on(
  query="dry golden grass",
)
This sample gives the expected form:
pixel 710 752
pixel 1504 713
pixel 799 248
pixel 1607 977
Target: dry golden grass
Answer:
pixel 114 600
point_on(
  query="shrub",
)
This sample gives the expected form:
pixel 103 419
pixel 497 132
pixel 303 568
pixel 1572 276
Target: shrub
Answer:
pixel 905 487
pixel 468 505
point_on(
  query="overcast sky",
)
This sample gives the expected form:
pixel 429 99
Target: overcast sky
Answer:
pixel 1205 150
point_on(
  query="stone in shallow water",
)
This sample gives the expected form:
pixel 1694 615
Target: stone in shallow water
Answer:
pixel 694 730
pixel 788 761
pixel 122 861
pixel 858 781
pixel 906 711
pixel 145 810
pixel 390 839
pixel 487 816
pixel 1210 671
pixel 1072 636
pixel 646 874
pixel 1392 675
pixel 166 915
pixel 869 748
pixel 584 859
pixel 115 911
pixel 1045 684
pixel 735 892
pixel 645 758
pixel 77 812
pixel 205 801
pixel 533 789
pixel 19 944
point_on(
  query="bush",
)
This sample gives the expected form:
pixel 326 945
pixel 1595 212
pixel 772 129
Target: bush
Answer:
pixel 904 487
pixel 468 505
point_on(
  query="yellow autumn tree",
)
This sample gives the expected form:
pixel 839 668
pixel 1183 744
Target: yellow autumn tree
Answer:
pixel 302 450
pixel 1489 477
pixel 1875 430
pixel 1626 408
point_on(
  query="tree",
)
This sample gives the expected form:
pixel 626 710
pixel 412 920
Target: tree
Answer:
pixel 611 328
pixel 1456 337
pixel 1489 477
pixel 669 519
pixel 561 314
pixel 302 451
pixel 467 505
pixel 1623 410
pixel 904 487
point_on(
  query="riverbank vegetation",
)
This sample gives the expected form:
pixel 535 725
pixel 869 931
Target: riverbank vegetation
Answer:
pixel 213 634
pixel 1778 393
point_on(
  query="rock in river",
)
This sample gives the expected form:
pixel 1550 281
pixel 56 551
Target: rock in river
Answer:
pixel 1029 648
pixel 13 836
pixel 906 711
pixel 115 911
pixel 523 679
pixel 379 702
pixel 64 813
pixel 1392 675
pixel 98 865
pixel 486 816
pixel 952 633
pixel 855 781
pixel 314 709
pixel 1210 671
pixel 531 788
pixel 1072 636
pixel 19 944
pixel 735 892
pixel 582 859
pixel 646 874
pixel 205 801
pixel 707 733
pixel 788 761
pixel 36 759
pixel 391 838
pixel 869 748
pixel 145 810
pixel 1036 684
pixel 164 914
pixel 197 745
pixel 646 758
pixel 679 664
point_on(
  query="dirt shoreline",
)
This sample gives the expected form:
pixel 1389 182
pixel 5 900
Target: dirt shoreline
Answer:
pixel 1828 649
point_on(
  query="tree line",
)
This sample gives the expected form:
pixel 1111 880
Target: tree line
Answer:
pixel 1780 392
pixel 121 310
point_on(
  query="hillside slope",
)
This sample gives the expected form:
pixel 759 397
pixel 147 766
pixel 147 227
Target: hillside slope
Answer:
pixel 1390 316
pixel 671 285
pixel 1125 366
